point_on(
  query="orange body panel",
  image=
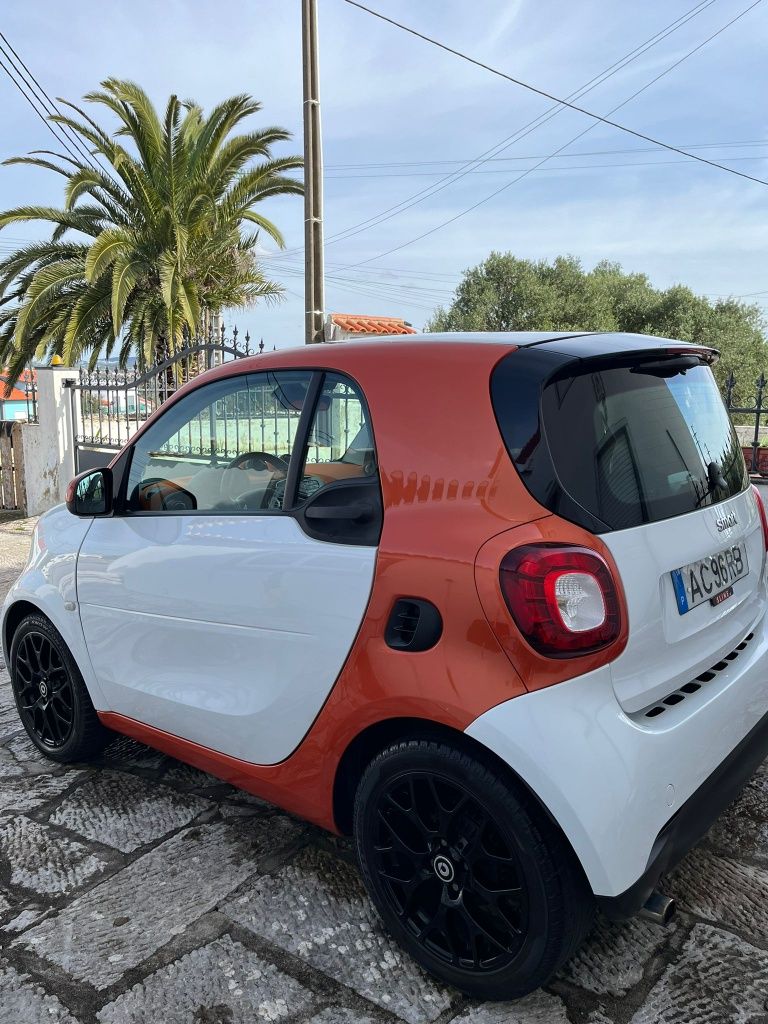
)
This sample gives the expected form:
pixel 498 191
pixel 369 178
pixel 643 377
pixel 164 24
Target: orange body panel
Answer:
pixel 536 669
pixel 450 491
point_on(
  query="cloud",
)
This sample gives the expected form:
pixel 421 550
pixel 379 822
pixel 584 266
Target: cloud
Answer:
pixel 389 97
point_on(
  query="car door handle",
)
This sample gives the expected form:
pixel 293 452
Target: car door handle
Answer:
pixel 356 510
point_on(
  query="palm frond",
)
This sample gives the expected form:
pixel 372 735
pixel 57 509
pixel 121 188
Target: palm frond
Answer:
pixel 157 236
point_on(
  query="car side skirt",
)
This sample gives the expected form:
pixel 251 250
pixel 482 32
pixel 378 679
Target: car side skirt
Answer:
pixel 274 783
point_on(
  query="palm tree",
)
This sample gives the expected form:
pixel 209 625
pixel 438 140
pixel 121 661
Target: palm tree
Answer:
pixel 139 257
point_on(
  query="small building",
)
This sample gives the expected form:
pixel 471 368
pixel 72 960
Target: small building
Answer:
pixel 18 403
pixel 342 326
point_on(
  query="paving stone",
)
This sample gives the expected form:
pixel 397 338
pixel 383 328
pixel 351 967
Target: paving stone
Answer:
pixel 9 716
pixel 125 751
pixel 537 1008
pixel 189 777
pixel 738 835
pixel 22 1002
pixel 242 804
pixel 722 891
pixel 9 766
pixel 16 759
pixel 119 923
pixel 26 792
pixel 25 751
pixel 26 918
pixel 126 811
pixel 341 1015
pixel 222 981
pixel 316 908
pixel 43 860
pixel 718 979
pixel 743 829
pixel 229 811
pixel 614 956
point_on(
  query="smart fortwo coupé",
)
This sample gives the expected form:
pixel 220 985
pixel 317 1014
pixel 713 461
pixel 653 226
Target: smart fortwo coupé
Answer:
pixel 493 604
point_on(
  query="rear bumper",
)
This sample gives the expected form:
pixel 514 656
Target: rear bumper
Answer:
pixel 693 820
pixel 630 793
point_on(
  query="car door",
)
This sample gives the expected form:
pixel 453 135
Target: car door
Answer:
pixel 220 601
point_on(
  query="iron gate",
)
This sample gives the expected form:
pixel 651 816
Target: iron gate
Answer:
pixel 108 405
pixel 748 418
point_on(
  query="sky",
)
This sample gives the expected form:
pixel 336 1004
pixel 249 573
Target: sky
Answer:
pixel 399 115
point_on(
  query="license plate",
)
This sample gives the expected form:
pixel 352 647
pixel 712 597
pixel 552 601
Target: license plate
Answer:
pixel 710 579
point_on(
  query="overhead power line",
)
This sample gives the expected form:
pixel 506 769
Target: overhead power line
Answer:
pixel 48 124
pixel 750 143
pixel 40 98
pixel 505 170
pixel 40 94
pixel 581 134
pixel 551 96
pixel 520 133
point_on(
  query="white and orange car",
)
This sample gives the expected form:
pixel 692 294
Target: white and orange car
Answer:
pixel 493 604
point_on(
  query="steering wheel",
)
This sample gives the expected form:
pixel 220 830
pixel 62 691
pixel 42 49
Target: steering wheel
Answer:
pixel 259 462
pixel 172 497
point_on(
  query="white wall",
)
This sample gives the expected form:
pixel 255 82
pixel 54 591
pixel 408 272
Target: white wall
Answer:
pixel 49 450
pixel 41 471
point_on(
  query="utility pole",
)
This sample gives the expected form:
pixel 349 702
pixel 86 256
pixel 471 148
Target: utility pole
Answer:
pixel 314 299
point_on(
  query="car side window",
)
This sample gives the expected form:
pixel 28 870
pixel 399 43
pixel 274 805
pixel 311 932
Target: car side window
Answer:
pixel 223 447
pixel 340 443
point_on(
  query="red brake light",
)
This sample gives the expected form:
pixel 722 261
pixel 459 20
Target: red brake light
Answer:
pixel 563 599
pixel 761 510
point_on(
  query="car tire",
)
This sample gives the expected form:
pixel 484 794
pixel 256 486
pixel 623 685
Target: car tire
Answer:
pixel 466 871
pixel 51 697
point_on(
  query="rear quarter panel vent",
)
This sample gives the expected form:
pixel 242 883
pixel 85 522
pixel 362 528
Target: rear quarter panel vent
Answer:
pixel 414 625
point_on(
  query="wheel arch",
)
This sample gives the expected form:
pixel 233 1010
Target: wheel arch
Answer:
pixel 14 616
pixel 375 738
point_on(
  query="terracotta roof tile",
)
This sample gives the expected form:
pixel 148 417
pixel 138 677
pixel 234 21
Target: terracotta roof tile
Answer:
pixel 16 395
pixel 360 324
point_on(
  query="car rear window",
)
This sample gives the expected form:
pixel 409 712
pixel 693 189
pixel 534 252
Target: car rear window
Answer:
pixel 625 445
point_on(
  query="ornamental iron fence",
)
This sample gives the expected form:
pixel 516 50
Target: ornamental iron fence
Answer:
pixel 749 421
pixel 109 404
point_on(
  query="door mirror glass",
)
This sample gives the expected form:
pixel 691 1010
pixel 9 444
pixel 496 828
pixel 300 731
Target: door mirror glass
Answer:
pixel 90 494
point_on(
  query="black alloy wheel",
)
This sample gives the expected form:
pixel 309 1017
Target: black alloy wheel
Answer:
pixel 466 871
pixel 453 878
pixel 44 691
pixel 51 697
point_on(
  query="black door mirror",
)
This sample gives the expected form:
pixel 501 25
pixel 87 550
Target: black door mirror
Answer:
pixel 90 493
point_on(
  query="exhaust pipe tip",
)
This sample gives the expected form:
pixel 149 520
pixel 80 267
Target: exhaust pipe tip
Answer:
pixel 659 908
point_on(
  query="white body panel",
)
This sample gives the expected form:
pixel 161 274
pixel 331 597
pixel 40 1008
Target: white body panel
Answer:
pixel 226 630
pixel 665 648
pixel 611 781
pixel 611 776
pixel 48 583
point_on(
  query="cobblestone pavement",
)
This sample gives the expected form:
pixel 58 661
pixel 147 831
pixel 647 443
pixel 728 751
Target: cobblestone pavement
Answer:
pixel 15 537
pixel 141 890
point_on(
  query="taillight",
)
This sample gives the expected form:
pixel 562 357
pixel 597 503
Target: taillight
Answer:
pixel 563 599
pixel 761 510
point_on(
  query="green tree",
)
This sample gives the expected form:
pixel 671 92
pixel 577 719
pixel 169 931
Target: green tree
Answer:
pixel 508 294
pixel 141 256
